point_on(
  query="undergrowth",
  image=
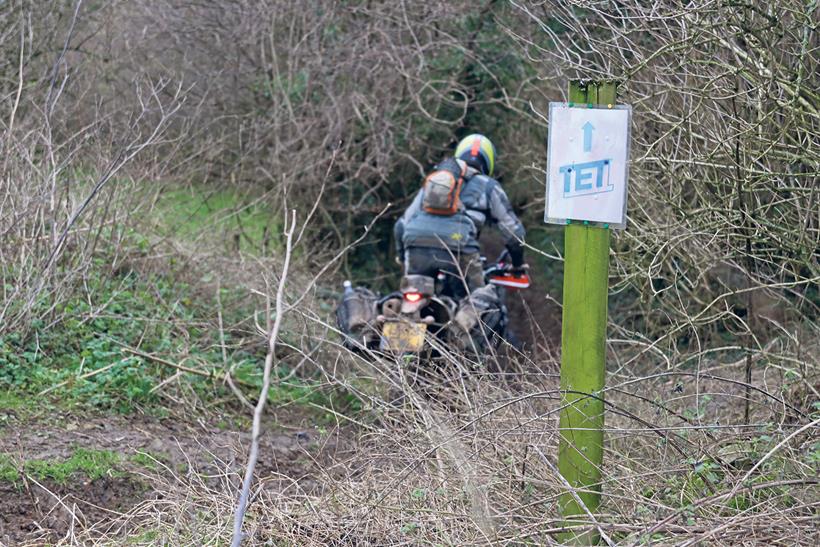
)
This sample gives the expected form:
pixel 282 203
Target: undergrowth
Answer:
pixel 83 360
pixel 78 353
pixel 62 359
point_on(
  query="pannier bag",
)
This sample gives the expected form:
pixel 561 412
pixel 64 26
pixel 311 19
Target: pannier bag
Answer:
pixel 479 318
pixel 442 188
pixel 356 318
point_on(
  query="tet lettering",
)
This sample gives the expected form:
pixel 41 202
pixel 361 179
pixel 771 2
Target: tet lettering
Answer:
pixel 581 179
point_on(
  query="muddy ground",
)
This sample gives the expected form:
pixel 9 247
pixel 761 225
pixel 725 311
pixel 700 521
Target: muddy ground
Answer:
pixel 41 511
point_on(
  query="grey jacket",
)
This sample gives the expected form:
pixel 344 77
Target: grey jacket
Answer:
pixel 483 202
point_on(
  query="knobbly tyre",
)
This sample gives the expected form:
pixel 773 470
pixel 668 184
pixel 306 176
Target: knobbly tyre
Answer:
pixel 426 314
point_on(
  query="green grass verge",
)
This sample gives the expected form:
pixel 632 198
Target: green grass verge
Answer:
pixel 236 218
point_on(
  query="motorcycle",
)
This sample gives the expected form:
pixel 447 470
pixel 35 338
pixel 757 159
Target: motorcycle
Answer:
pixel 429 314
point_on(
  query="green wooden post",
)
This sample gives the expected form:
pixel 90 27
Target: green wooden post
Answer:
pixel 583 349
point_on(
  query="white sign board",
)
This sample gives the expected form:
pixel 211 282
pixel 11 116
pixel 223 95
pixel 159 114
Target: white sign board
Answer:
pixel 587 160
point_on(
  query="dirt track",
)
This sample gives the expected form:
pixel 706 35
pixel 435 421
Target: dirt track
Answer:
pixel 35 511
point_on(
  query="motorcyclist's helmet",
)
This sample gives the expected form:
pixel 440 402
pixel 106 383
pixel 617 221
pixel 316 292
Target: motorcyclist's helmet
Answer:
pixel 478 152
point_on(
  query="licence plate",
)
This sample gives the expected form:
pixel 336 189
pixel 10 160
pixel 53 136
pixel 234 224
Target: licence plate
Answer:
pixel 403 337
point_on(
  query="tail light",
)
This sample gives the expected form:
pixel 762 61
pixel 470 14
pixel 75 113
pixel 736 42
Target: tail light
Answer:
pixel 412 296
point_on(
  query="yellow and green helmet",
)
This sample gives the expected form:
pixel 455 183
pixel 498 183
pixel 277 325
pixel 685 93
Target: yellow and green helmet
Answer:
pixel 478 152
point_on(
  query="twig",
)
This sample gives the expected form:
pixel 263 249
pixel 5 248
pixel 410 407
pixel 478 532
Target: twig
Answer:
pixel 239 515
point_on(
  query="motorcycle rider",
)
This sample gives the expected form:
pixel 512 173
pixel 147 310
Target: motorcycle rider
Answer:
pixel 429 243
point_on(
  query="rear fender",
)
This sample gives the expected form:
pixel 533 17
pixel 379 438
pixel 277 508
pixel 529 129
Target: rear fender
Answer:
pixel 413 308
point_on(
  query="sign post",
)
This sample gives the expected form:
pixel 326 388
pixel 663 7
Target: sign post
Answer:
pixel 586 191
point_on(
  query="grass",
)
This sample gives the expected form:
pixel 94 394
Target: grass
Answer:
pixel 8 471
pixel 91 463
pixel 443 479
pixel 94 464
pixel 188 214
pixel 148 537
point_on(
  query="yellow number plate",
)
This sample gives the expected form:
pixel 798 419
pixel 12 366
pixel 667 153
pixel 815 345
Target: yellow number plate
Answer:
pixel 403 337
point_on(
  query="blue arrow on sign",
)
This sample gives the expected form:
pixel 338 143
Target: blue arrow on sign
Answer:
pixel 587 128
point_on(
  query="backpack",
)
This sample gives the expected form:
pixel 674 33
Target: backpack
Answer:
pixel 442 188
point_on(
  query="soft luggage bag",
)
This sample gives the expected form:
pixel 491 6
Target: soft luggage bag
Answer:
pixel 480 318
pixel 356 318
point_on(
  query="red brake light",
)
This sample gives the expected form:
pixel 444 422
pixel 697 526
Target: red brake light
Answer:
pixel 412 296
